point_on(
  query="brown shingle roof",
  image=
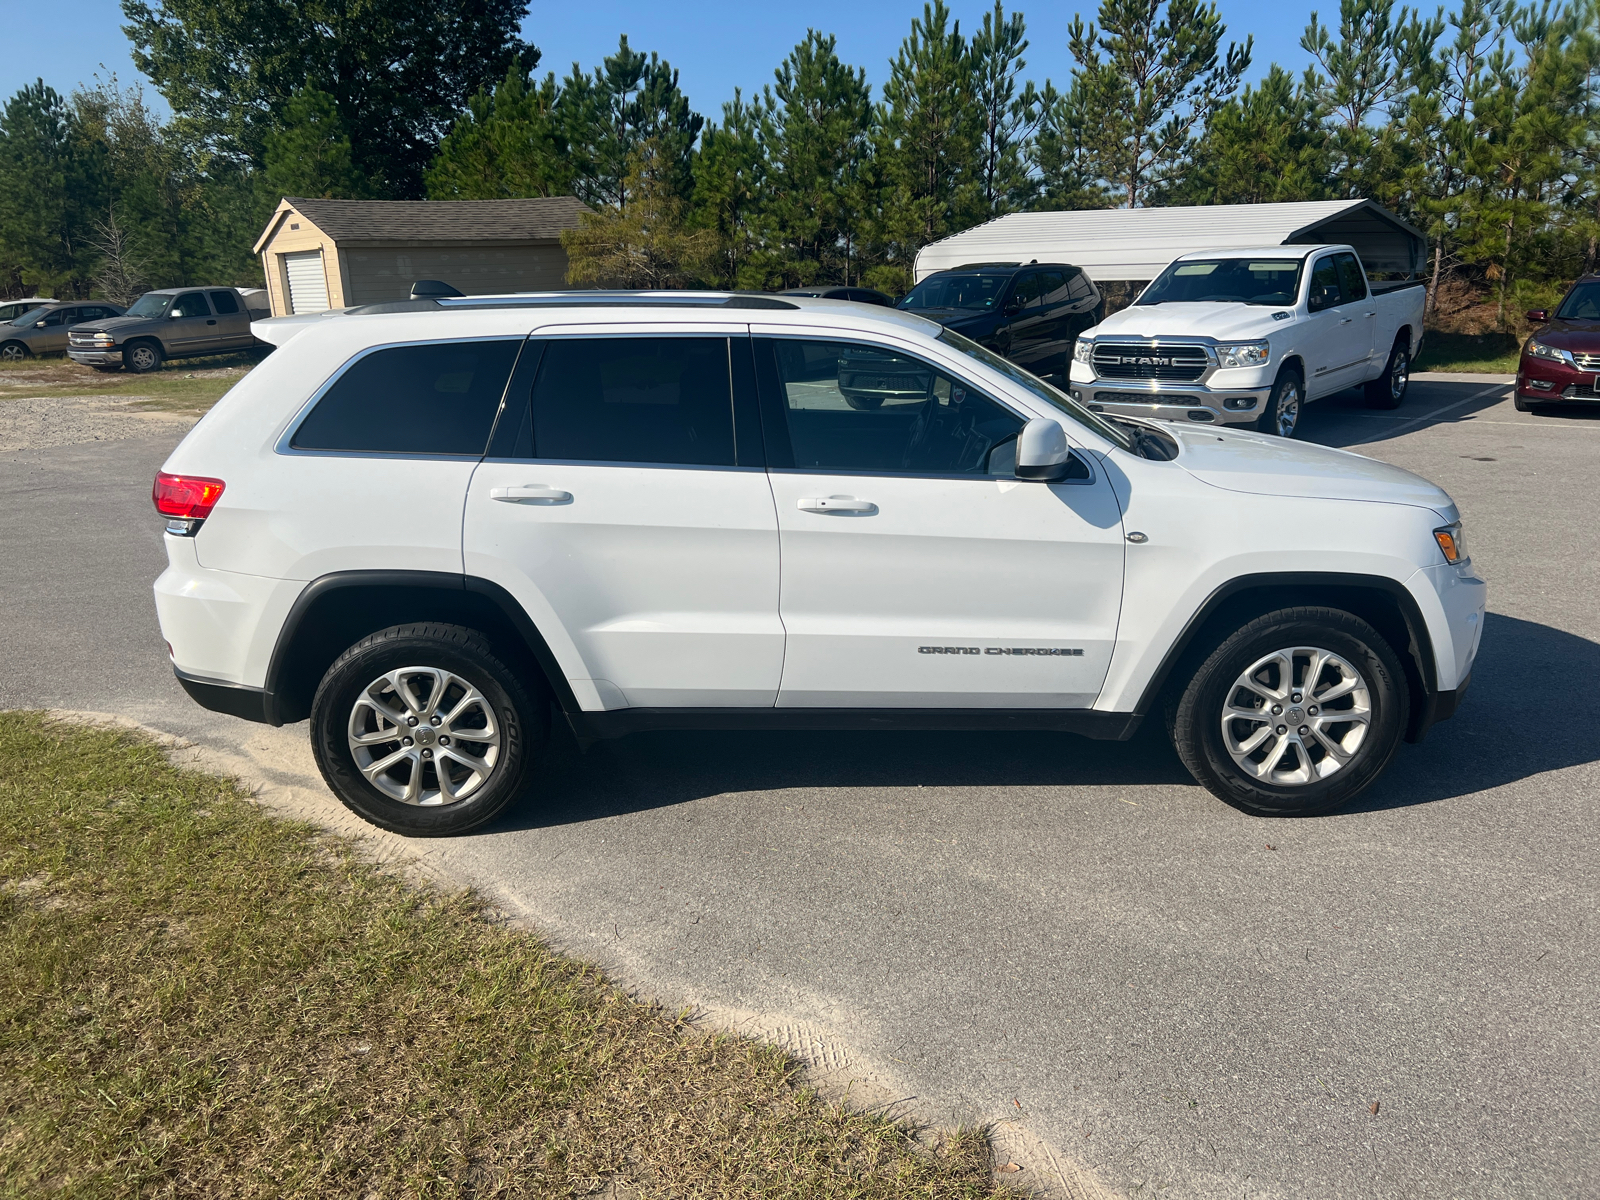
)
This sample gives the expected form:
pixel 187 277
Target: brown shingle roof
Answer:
pixel 441 220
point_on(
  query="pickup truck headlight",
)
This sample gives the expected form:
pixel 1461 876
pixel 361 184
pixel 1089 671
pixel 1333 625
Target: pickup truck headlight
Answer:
pixel 1538 349
pixel 1243 354
pixel 1452 542
pixel 1082 349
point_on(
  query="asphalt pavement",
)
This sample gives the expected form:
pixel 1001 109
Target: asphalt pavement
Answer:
pixel 1064 935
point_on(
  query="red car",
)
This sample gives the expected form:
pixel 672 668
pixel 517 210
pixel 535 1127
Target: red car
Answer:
pixel 1561 362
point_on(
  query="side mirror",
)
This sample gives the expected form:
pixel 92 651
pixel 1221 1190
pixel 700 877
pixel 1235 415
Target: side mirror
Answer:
pixel 1042 451
pixel 1011 308
pixel 40 324
pixel 1538 315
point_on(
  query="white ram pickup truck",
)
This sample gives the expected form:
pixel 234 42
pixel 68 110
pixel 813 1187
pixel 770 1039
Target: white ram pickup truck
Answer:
pixel 1249 337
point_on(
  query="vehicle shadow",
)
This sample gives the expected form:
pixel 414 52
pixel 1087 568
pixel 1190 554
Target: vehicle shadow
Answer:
pixel 1526 713
pixel 1346 420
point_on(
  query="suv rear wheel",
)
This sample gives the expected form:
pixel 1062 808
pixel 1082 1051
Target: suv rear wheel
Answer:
pixel 1295 714
pixel 420 729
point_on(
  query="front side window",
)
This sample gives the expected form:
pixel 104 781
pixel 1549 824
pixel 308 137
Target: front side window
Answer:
pixel 1325 291
pixel 191 304
pixel 852 407
pixel 1225 281
pixel 635 399
pixel 226 303
pixel 1351 278
pixel 435 398
pixel 975 291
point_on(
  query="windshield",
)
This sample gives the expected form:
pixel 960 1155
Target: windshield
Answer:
pixel 151 304
pixel 29 317
pixel 957 291
pixel 1051 396
pixel 1227 281
pixel 1582 303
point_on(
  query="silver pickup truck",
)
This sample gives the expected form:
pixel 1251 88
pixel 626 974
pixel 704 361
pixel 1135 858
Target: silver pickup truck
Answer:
pixel 170 323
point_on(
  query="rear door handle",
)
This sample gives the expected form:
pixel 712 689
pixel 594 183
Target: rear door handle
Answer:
pixel 211 322
pixel 837 504
pixel 536 493
pixel 1370 314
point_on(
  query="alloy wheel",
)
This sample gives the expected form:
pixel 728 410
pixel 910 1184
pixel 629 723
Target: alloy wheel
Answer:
pixel 1287 415
pixel 1399 376
pixel 1296 716
pixel 12 353
pixel 424 736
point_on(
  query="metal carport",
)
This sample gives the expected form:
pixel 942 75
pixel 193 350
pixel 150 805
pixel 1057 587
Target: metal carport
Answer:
pixel 1135 244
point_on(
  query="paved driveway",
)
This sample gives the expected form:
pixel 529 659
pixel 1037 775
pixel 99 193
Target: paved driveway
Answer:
pixel 1065 934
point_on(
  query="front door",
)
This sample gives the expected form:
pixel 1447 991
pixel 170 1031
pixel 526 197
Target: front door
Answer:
pixel 918 572
pixel 627 509
pixel 191 326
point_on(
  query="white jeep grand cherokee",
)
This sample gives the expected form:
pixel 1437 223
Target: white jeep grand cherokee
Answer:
pixel 425 525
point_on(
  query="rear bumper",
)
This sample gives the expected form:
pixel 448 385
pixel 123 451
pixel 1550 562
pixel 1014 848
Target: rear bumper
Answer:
pixel 235 699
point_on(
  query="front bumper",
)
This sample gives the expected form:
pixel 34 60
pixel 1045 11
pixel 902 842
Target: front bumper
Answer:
pixel 94 358
pixel 1173 401
pixel 1545 382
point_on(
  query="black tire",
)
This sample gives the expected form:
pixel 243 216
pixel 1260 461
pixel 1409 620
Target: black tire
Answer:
pixel 463 653
pixel 1285 406
pixel 1197 720
pixel 1389 389
pixel 142 357
pixel 15 352
pixel 1521 405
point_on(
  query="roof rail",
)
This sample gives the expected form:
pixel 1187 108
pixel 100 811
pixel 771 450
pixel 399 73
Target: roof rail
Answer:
pixel 598 299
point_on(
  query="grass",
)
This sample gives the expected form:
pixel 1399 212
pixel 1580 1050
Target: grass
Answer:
pixel 1490 353
pixel 197 999
pixel 184 386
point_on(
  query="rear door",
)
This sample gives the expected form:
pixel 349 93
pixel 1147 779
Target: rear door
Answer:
pixel 1359 313
pixel 191 325
pixel 1033 333
pixel 918 572
pixel 625 505
pixel 233 323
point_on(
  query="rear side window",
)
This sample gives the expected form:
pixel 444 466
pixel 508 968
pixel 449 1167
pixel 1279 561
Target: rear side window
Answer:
pixel 436 398
pixel 226 303
pixel 646 400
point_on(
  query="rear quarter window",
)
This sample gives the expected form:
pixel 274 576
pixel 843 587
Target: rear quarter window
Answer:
pixel 434 398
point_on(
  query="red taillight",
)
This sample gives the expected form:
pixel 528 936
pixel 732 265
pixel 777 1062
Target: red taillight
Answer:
pixel 189 496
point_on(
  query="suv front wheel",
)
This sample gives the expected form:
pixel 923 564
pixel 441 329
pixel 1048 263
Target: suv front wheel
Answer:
pixel 1295 714
pixel 420 729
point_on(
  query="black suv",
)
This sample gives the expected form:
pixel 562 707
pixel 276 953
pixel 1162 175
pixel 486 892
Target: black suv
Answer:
pixel 1031 313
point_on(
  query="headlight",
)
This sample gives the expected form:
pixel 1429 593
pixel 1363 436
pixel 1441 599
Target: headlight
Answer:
pixel 1539 350
pixel 104 339
pixel 1452 542
pixel 1243 354
pixel 1081 350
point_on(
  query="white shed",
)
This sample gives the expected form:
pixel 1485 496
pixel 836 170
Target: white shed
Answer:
pixel 1135 244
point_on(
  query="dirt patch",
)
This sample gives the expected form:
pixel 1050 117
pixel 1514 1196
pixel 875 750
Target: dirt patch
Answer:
pixel 36 422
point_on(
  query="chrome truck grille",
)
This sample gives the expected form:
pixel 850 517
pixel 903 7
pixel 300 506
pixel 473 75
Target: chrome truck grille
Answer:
pixel 1149 360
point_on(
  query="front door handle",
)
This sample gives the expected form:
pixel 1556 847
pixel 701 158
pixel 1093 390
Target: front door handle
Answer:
pixel 1345 320
pixel 536 493
pixel 837 504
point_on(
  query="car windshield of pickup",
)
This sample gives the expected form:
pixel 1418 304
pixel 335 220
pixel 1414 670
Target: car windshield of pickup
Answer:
pixel 151 304
pixel 975 291
pixel 1266 281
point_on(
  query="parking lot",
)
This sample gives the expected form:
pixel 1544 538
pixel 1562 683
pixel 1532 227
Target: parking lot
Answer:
pixel 1067 936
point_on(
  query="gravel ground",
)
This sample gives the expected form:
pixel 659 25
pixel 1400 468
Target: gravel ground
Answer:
pixel 42 422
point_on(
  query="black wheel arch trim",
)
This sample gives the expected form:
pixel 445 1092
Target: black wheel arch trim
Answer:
pixel 273 707
pixel 1436 706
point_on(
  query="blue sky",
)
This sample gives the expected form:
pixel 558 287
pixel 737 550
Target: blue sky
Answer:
pixel 722 45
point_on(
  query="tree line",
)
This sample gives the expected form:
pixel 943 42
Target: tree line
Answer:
pixel 1478 124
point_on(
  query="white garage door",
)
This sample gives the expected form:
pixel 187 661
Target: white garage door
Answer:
pixel 308 286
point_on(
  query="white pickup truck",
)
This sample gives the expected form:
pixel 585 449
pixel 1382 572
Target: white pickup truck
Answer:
pixel 1249 337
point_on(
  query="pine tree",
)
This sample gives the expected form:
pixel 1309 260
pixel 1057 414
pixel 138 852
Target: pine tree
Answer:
pixel 1009 108
pixel 309 153
pixel 1155 88
pixel 1266 145
pixel 509 143
pixel 729 180
pixel 648 243
pixel 52 189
